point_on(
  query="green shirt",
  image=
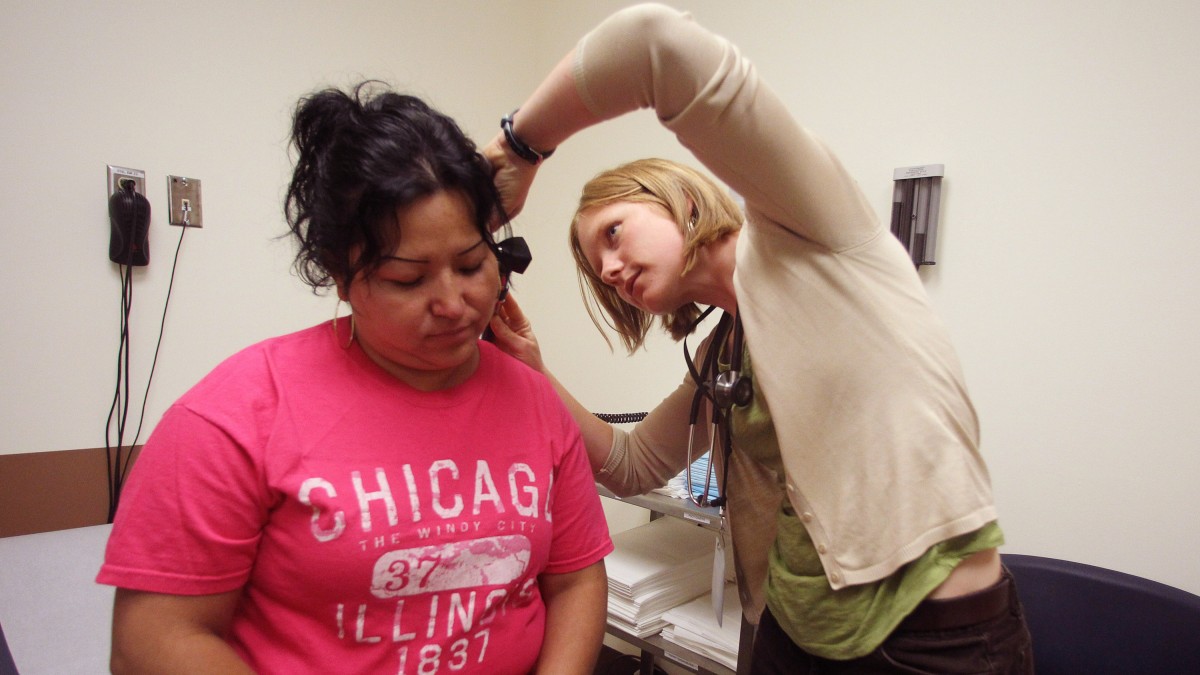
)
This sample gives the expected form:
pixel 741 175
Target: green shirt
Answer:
pixel 851 622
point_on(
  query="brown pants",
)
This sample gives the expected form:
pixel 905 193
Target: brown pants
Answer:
pixel 981 632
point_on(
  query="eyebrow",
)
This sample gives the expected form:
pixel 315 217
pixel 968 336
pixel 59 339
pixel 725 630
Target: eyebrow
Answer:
pixel 461 253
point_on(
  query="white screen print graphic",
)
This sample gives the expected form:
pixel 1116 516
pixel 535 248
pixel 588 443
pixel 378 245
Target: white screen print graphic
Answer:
pixel 491 561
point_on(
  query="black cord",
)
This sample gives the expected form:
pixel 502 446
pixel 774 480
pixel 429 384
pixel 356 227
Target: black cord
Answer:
pixel 630 418
pixel 622 418
pixel 119 469
pixel 116 409
pixel 157 346
pixel 698 378
pixel 120 405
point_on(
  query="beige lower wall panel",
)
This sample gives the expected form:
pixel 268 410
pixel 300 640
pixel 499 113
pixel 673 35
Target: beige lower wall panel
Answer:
pixel 48 491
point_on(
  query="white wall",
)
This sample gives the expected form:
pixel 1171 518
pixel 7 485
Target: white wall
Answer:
pixel 198 89
pixel 1068 222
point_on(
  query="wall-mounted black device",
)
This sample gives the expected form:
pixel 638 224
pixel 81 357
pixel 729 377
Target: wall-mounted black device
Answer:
pixel 129 225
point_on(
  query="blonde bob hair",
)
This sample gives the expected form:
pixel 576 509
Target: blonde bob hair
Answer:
pixel 703 212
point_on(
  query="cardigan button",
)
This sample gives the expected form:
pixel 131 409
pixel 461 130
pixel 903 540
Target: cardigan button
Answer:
pixel 822 549
pixel 835 577
pixel 807 516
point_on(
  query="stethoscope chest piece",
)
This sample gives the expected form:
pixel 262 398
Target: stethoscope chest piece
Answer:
pixel 732 388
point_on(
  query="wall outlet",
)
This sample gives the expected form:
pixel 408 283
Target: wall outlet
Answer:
pixel 118 174
pixel 183 200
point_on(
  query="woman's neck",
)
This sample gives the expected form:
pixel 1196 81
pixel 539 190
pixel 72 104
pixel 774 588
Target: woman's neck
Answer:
pixel 712 276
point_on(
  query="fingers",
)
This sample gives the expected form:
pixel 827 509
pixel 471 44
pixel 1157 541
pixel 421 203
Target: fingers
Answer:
pixel 500 330
pixel 510 311
pixel 507 326
pixel 512 175
pixel 494 153
pixel 513 334
pixel 516 343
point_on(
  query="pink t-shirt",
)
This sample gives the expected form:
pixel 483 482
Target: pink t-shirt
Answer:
pixel 373 528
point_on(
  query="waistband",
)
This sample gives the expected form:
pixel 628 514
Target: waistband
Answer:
pixel 965 610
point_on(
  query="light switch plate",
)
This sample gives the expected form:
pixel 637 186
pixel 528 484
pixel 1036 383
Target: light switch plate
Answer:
pixel 183 199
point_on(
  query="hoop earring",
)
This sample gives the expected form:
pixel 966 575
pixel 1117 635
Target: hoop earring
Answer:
pixel 338 306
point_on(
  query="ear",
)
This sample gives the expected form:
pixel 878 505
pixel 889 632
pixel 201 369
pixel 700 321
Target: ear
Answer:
pixel 343 292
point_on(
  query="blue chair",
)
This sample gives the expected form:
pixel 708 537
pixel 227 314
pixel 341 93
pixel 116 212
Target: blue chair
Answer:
pixel 1095 621
pixel 7 667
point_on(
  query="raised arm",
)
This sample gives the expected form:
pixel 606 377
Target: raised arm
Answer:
pixel 551 115
pixel 515 336
pixel 626 462
pixel 704 91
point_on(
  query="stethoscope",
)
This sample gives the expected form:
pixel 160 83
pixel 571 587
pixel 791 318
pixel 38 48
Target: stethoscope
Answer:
pixel 725 390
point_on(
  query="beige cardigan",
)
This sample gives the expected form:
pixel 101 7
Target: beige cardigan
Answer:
pixel 879 439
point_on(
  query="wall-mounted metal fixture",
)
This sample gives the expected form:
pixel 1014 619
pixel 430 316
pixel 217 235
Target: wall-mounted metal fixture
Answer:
pixel 915 200
pixel 183 197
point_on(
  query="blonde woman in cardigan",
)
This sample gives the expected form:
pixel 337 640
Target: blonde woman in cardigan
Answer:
pixel 864 529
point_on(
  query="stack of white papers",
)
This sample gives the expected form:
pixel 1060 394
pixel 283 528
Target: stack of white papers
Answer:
pixel 694 627
pixel 653 568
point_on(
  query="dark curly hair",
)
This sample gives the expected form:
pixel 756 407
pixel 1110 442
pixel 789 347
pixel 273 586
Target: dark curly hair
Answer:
pixel 360 156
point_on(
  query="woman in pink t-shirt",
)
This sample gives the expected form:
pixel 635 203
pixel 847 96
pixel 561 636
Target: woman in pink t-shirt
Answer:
pixel 380 493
